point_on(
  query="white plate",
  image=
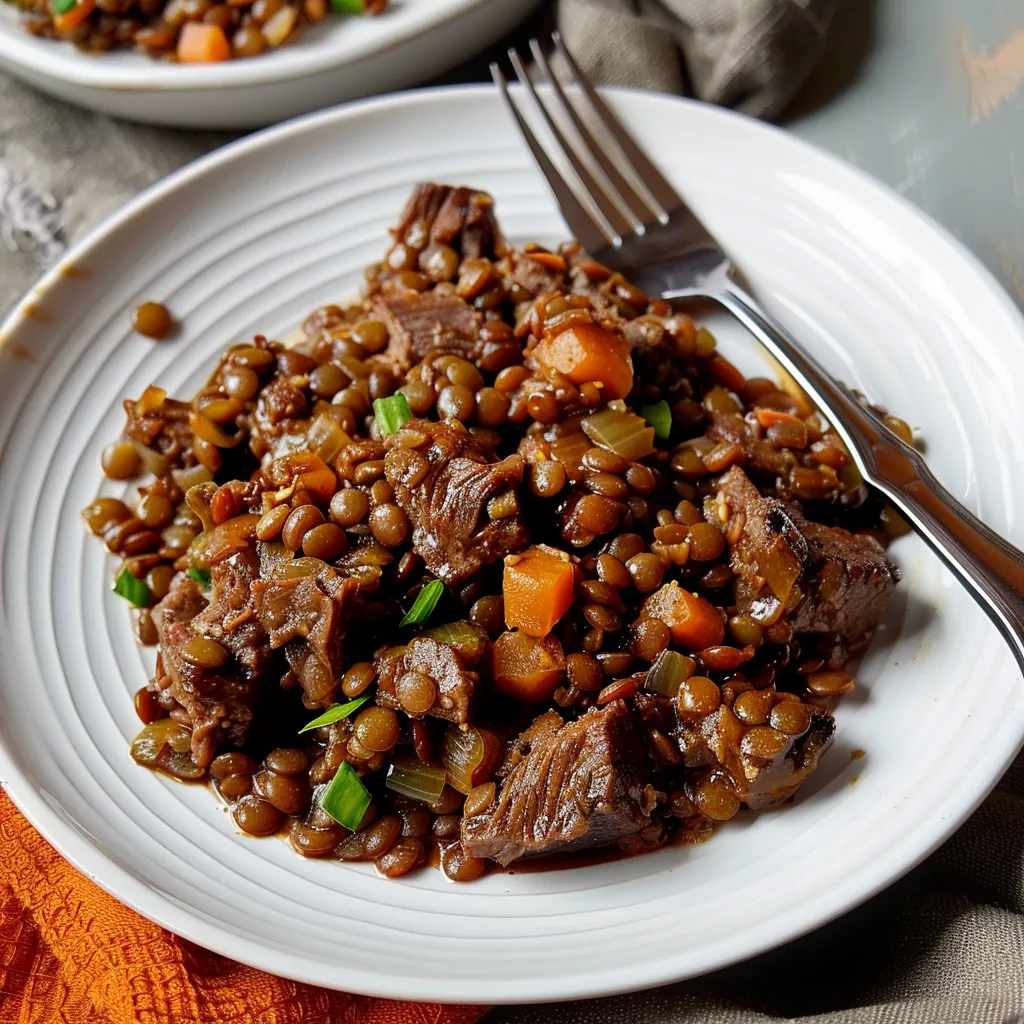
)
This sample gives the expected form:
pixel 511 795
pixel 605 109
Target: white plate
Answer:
pixel 342 58
pixel 251 239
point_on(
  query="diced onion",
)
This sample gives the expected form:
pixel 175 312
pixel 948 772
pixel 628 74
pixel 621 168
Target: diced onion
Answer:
pixel 623 433
pixel 412 778
pixel 669 671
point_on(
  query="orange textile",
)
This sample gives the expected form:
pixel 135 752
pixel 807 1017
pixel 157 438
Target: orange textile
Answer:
pixel 71 954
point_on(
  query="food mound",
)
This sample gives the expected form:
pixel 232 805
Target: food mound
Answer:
pixel 503 560
pixel 183 31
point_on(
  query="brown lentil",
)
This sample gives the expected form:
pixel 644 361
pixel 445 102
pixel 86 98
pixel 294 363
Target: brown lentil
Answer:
pixel 480 799
pixel 647 571
pixel 791 717
pixel 489 614
pixel 325 542
pixel 290 794
pixel 377 729
pixel 492 407
pixel 390 525
pixel 153 320
pixel 459 866
pixel 349 506
pixel 121 461
pixel 706 542
pixel 357 679
pixel 402 858
pixel 584 672
pixel 416 692
pixel 547 478
pixel 698 696
pixel 256 816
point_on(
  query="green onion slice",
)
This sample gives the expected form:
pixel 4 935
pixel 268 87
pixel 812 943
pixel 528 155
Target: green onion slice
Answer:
pixel 62 6
pixel 335 713
pixel 391 412
pixel 132 589
pixel 346 798
pixel 348 6
pixel 659 416
pixel 424 605
pixel 201 576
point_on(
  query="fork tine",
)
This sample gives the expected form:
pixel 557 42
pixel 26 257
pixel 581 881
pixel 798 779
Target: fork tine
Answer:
pixel 579 147
pixel 591 196
pixel 635 207
pixel 591 234
pixel 646 180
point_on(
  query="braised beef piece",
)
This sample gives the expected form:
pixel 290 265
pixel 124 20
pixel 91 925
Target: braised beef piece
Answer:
pixel 278 403
pixel 579 787
pixel 450 666
pixel 828 579
pixel 454 216
pixel 164 429
pixel 761 456
pixel 715 741
pixel 531 275
pixel 421 323
pixel 218 701
pixel 307 616
pixel 229 617
pixel 444 487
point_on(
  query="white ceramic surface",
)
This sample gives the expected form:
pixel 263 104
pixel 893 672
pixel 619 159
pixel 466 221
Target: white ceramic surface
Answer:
pixel 342 58
pixel 251 239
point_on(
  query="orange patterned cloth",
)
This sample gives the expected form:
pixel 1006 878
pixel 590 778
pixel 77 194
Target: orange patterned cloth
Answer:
pixel 71 954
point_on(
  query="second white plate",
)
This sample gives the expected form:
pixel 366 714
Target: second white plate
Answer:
pixel 254 237
pixel 342 58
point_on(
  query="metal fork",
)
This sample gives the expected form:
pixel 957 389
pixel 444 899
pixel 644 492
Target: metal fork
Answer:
pixel 627 216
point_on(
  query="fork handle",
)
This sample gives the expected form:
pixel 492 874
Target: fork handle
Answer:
pixel 990 567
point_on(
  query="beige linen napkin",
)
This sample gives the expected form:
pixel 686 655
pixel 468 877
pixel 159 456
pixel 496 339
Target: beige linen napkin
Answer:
pixel 749 54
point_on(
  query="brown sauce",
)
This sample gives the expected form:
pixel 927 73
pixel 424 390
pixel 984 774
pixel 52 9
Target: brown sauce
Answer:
pixel 22 353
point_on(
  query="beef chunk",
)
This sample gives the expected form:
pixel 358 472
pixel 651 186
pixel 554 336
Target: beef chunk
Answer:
pixel 229 617
pixel 778 779
pixel 761 455
pixel 161 423
pixel 421 323
pixel 448 665
pixel 307 616
pixel 218 701
pixel 446 215
pixel 716 741
pixel 444 487
pixel 827 579
pixel 579 787
pixel 279 403
pixel 531 275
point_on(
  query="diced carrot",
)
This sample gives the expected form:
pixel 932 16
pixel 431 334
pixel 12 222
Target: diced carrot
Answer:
pixel 550 260
pixel 589 353
pixel 305 471
pixel 200 43
pixel 695 623
pixel 527 668
pixel 64 23
pixel 726 374
pixel 769 417
pixel 538 589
